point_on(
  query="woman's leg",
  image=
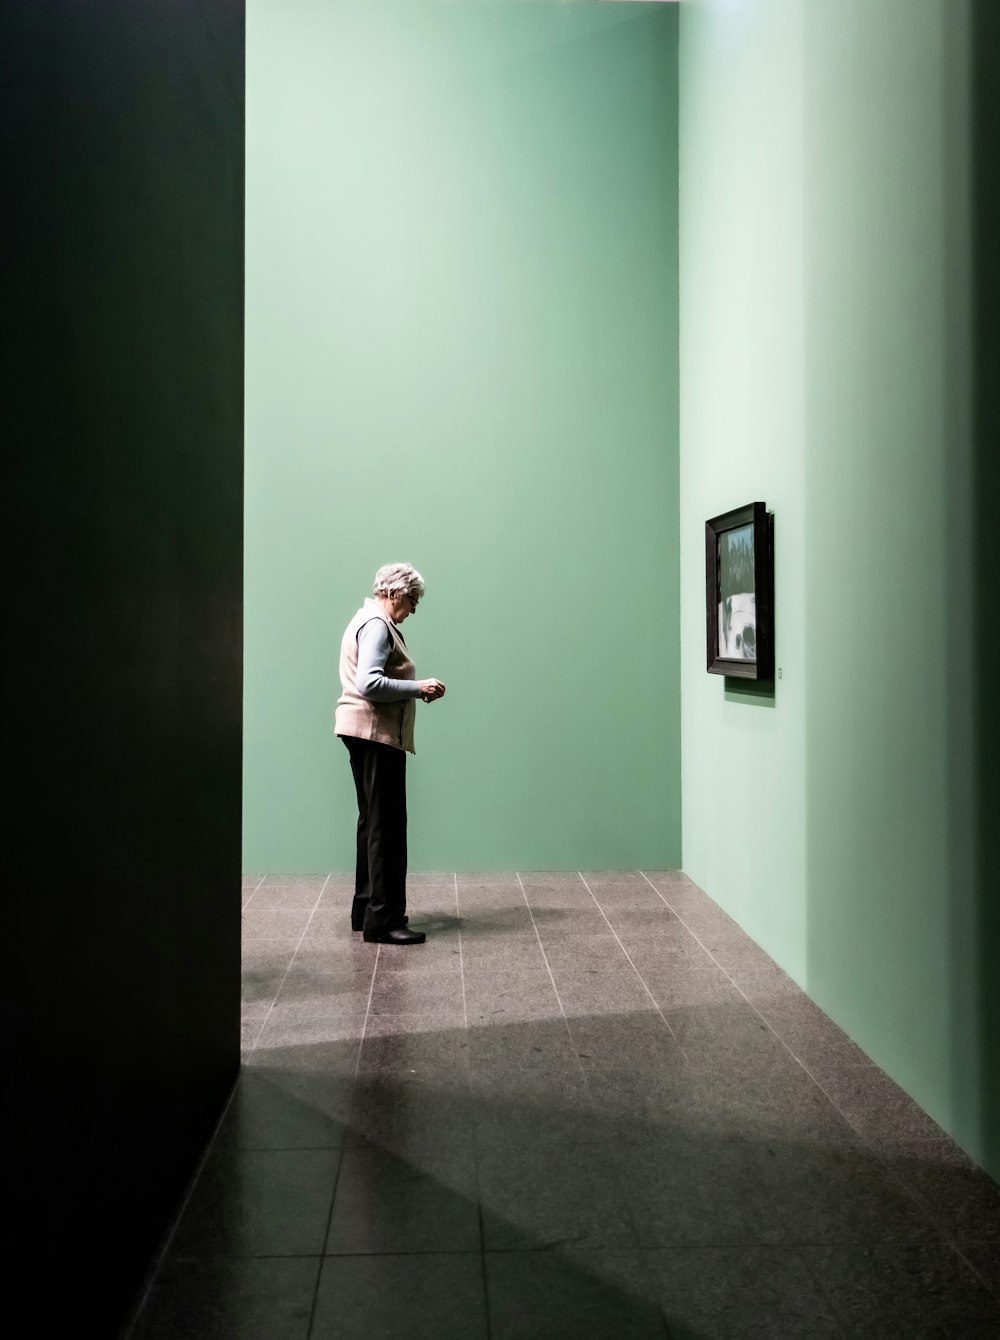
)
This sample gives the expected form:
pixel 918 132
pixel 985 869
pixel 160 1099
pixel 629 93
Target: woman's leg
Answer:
pixel 362 889
pixel 380 780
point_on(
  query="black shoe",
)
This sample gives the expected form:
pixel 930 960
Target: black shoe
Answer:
pixel 398 935
pixel 359 925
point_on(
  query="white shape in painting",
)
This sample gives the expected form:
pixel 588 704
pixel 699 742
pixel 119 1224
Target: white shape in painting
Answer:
pixel 738 627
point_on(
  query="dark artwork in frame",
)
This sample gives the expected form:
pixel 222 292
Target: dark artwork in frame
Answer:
pixel 739 593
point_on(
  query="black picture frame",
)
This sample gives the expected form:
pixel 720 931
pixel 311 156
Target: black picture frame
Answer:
pixel 739 555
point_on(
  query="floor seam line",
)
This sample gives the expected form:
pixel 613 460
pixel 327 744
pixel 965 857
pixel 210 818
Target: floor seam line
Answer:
pixel 343 1148
pixel 475 1142
pixel 638 974
pixel 763 1018
pixel 245 905
pixel 288 969
pixel 562 1011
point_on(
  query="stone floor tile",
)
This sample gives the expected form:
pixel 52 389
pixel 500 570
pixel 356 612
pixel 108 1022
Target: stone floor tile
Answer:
pixel 691 1192
pixel 905 1291
pixel 956 1193
pixel 274 1110
pixel 599 1295
pixel 432 1296
pixel 538 1199
pixel 809 1033
pixel 251 1202
pixel 754 1293
pixel 879 1110
pixel 259 1299
pixel 830 1194
pixel 386 1203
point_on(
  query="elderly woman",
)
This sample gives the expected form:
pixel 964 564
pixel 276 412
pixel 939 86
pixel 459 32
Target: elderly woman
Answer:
pixel 374 718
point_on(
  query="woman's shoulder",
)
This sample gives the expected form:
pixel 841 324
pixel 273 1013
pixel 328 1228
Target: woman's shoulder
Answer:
pixel 373 626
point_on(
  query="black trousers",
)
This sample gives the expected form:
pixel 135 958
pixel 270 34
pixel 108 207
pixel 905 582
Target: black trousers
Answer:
pixel 380 873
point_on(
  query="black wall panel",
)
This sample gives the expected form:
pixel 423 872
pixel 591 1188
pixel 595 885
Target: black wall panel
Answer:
pixel 123 364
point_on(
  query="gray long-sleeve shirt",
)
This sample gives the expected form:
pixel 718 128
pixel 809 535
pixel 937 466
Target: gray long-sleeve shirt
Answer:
pixel 374 645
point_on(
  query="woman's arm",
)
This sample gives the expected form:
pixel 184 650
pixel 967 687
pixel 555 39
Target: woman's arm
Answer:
pixel 374 645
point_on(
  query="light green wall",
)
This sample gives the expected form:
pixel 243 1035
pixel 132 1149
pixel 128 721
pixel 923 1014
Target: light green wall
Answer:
pixel 462 352
pixel 826 355
pixel 742 412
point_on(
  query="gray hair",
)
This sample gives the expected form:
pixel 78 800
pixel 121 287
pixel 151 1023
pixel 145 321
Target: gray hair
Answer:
pixel 398 579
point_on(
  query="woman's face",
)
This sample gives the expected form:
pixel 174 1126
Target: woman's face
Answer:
pixel 401 606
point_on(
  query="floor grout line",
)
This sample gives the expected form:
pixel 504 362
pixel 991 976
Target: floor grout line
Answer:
pixel 251 898
pixel 340 1159
pixel 461 959
pixel 343 1145
pixel 288 969
pixel 368 1010
pixel 729 977
pixel 576 1053
pixel 562 1011
pixel 625 1200
pixel 885 1165
pixel 635 969
pixel 800 1063
pixel 475 1143
pixel 797 1059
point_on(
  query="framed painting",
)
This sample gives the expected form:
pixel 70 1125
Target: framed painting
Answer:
pixel 739 592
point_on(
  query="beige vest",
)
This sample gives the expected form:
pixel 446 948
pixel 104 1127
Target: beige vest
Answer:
pixel 387 723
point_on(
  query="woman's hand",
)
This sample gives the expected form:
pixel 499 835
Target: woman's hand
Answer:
pixel 431 689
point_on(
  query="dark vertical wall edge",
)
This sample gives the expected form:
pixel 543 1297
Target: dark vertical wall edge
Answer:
pixel 985 47
pixel 123 363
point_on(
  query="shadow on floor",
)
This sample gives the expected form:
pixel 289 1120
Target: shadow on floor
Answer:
pixel 582 1180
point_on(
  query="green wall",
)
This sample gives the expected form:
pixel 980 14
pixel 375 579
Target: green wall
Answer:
pixel 828 352
pixel 461 351
pixel 742 423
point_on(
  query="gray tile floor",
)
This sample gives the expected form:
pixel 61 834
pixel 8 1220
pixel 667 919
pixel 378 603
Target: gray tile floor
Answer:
pixel 589 1106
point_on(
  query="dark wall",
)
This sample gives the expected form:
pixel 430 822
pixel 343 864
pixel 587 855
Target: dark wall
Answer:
pixel 986 416
pixel 123 327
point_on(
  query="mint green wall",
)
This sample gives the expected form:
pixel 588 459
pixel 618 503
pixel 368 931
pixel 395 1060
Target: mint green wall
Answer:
pixel 742 423
pixel 826 362
pixel 461 351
